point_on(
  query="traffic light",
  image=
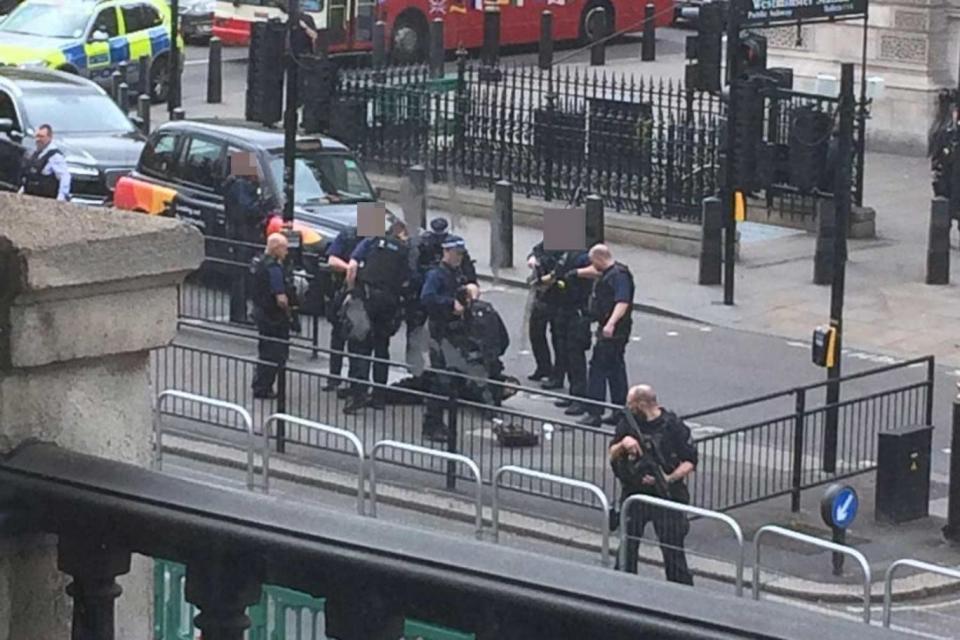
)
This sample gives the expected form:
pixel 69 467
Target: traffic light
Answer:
pixel 265 73
pixel 810 130
pixel 704 50
pixel 752 54
pixel 747 123
pixel 319 84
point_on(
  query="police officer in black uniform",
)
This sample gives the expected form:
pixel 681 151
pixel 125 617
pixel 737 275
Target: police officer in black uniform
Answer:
pixel 379 272
pixel 444 300
pixel 338 263
pixel 653 453
pixel 273 313
pixel 543 263
pixel 243 205
pixel 569 326
pixel 46 173
pixel 611 306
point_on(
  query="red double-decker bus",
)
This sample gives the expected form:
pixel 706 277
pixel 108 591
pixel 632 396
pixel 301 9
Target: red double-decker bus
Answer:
pixel 348 24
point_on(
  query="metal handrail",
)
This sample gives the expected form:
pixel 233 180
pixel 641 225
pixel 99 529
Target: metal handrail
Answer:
pixel 435 453
pixel 685 508
pixel 916 564
pixel 817 542
pixel 317 426
pixel 210 402
pixel 547 477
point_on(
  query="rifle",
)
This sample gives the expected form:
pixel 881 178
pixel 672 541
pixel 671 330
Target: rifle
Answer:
pixel 657 463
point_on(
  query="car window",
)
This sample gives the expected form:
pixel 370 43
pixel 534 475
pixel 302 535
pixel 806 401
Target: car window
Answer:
pixel 158 155
pixel 48 20
pixel 107 22
pixel 74 111
pixel 8 110
pixel 139 17
pixel 203 163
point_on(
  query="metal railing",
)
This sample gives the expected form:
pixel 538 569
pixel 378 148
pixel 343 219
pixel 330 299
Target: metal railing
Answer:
pixel 915 564
pixel 816 542
pixel 683 508
pixel 210 402
pixel 424 451
pixel 546 477
pixel 324 428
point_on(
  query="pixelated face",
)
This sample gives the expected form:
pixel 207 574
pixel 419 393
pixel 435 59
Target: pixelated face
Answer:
pixel 243 163
pixel 564 229
pixel 371 219
pixel 453 257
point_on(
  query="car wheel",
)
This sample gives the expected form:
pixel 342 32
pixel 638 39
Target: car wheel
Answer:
pixel 596 22
pixel 160 79
pixel 409 39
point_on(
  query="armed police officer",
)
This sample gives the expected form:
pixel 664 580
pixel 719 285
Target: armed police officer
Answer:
pixel 652 454
pixel 427 254
pixel 46 173
pixel 567 297
pixel 542 313
pixel 338 262
pixel 243 206
pixel 445 302
pixel 611 306
pixel 378 273
pixel 273 311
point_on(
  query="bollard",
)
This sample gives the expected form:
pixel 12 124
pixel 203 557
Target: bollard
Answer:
pixel 594 214
pixel 115 81
pixel 436 48
pixel 598 50
pixel 952 529
pixel 711 241
pixel 143 75
pixel 123 97
pixel 938 246
pixel 124 70
pixel 823 259
pixel 491 36
pixel 648 50
pixel 379 44
pixel 501 227
pixel 143 110
pixel 418 192
pixel 215 72
pixel 177 114
pixel 546 40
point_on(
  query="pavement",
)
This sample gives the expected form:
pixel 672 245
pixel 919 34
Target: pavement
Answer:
pixel 890 315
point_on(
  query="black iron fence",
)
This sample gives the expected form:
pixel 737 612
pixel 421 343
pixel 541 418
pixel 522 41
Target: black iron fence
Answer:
pixel 645 146
pixel 749 451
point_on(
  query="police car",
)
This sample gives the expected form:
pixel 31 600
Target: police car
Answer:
pixel 91 38
pixel 185 164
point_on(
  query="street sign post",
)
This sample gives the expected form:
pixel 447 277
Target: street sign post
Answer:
pixel 838 508
pixel 770 12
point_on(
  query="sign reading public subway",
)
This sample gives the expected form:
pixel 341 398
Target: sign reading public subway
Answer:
pixel 779 11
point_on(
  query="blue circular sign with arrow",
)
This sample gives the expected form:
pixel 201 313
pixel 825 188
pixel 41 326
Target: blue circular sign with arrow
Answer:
pixel 839 506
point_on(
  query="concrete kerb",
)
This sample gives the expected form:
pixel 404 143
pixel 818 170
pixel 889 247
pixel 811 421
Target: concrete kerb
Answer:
pixel 912 587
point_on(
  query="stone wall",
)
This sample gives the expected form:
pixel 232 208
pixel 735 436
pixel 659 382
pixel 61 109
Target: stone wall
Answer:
pixel 912 45
pixel 84 295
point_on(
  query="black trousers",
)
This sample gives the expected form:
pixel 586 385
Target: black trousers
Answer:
pixel 540 317
pixel 382 309
pixel 608 368
pixel 270 351
pixel 571 334
pixel 671 527
pixel 338 342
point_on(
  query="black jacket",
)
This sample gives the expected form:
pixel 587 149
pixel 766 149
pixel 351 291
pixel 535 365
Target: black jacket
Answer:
pixel 673 444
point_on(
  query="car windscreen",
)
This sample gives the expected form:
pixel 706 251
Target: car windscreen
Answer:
pixel 48 20
pixel 74 112
pixel 325 178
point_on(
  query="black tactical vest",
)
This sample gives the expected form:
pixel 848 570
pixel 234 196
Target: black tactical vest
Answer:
pixel 387 265
pixel 37 184
pixel 603 299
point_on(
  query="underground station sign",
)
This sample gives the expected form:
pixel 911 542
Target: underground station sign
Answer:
pixel 769 12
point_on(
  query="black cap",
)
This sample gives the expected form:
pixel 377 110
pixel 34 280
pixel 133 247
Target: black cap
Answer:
pixel 439 225
pixel 454 242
